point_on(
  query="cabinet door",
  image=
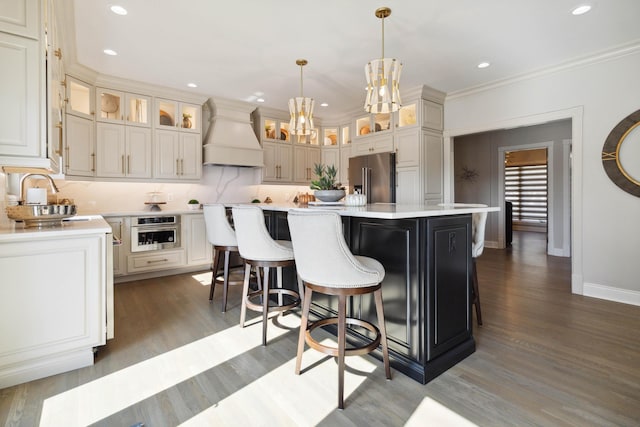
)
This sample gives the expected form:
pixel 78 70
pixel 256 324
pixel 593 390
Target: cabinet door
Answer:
pixel 79 98
pixel 198 247
pixel 433 167
pixel 300 165
pixel 189 118
pixel 448 289
pixel 109 105
pixel 330 157
pixel 190 156
pixel 285 154
pixel 110 152
pixel 79 149
pixel 382 144
pixel 270 170
pixel 408 189
pixel 137 110
pixel 345 154
pixel 408 148
pixel 432 115
pixel 117 228
pixel 20 83
pixel 138 152
pixel 20 17
pixel 166 114
pixel 166 164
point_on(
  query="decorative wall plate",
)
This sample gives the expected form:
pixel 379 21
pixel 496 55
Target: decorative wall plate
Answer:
pixel 620 151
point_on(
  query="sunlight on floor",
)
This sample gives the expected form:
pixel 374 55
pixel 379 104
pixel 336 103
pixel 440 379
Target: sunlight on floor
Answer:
pixel 100 398
pixel 203 278
pixel 432 413
pixel 282 398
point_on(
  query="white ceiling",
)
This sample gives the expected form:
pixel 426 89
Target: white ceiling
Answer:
pixel 243 48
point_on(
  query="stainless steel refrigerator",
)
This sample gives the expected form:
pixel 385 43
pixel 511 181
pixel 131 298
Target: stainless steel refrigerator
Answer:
pixel 375 176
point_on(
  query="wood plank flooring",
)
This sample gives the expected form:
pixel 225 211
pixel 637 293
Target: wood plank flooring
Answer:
pixel 544 357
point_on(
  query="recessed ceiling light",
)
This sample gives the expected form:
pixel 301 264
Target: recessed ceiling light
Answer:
pixel 483 64
pixel 192 85
pixel 110 52
pixel 118 10
pixel 260 100
pixel 580 10
pixel 324 104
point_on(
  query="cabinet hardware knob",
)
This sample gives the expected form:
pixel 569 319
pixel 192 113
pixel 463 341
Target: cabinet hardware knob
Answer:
pixel 58 53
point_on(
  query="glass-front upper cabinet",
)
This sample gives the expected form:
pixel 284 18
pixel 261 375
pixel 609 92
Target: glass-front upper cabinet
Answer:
pixel 330 136
pixel 345 136
pixel 79 98
pixel 277 130
pixel 109 105
pixel 373 123
pixel 137 109
pixel 407 115
pixel 177 115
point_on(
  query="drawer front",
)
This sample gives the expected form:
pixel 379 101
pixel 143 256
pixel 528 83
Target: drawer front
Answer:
pixel 158 261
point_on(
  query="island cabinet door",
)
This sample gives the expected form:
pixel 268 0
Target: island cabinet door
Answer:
pixel 447 296
pixel 395 244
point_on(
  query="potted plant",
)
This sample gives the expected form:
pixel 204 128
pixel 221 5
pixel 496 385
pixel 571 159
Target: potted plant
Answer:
pixel 326 188
pixel 193 204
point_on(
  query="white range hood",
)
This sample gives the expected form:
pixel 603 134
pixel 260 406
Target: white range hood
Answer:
pixel 230 139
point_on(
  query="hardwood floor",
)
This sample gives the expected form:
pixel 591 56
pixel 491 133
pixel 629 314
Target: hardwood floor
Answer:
pixel 544 357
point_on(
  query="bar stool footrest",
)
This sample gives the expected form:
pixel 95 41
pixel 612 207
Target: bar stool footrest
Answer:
pixel 271 308
pixel 333 351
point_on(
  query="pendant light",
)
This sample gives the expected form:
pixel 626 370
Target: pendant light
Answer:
pixel 383 78
pixel 301 110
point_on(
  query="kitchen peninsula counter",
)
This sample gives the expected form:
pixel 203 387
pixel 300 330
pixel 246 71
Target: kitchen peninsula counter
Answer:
pixel 57 297
pixel 426 252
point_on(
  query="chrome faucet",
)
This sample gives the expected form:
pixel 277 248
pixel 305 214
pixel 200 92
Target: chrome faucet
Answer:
pixel 54 188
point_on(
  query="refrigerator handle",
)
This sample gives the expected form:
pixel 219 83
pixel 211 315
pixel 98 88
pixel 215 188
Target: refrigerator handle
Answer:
pixel 363 180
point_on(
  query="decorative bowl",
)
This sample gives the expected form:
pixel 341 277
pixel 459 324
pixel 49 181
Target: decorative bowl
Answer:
pixel 41 215
pixel 328 195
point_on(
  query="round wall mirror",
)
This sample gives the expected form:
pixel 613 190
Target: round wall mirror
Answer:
pixel 621 152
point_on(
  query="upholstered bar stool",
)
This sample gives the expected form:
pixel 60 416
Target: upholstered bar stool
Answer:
pixel 327 266
pixel 479 222
pixel 223 239
pixel 259 250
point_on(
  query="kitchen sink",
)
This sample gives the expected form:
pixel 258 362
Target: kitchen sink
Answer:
pixel 41 215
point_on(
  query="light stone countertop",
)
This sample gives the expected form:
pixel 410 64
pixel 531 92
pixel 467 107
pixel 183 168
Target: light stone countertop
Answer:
pixel 77 225
pixel 385 210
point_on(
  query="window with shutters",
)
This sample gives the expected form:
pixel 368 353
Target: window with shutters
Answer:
pixel 526 187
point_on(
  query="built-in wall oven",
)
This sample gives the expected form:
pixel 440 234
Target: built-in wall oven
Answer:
pixel 155 233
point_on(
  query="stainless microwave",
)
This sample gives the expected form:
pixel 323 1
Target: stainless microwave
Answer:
pixel 155 233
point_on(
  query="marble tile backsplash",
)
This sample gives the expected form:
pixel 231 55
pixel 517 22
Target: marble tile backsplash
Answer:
pixel 225 184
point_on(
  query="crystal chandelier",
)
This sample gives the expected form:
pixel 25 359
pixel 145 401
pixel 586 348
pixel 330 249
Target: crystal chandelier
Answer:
pixel 383 78
pixel 301 110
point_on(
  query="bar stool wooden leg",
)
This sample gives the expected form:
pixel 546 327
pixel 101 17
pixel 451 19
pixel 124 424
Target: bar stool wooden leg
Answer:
pixel 216 267
pixel 265 305
pixel 225 287
pixel 245 292
pixel 279 281
pixel 383 332
pixel 303 328
pixel 342 326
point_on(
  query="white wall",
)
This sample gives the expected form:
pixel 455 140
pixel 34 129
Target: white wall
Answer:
pixel 606 226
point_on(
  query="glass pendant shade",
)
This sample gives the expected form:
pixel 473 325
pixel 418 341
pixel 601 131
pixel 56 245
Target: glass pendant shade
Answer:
pixel 383 78
pixel 301 110
pixel 383 86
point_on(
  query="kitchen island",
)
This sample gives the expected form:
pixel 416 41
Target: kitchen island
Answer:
pixel 56 296
pixel 426 252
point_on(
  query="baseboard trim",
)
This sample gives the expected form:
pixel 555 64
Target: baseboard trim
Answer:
pixel 609 293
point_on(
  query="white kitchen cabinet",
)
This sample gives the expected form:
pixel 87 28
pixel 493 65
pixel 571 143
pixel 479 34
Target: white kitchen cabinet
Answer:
pixel 345 155
pixel 51 325
pixel 80 156
pixel 80 98
pixel 115 106
pixel 198 246
pixel 304 159
pixel 408 147
pixel 433 167
pixel 331 157
pixel 372 145
pixel 122 151
pixel 177 115
pixel 178 155
pixel 137 110
pixel 408 185
pixel 22 131
pixel 20 17
pixel 154 261
pixel 277 162
pixel 432 115
pixel 120 242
